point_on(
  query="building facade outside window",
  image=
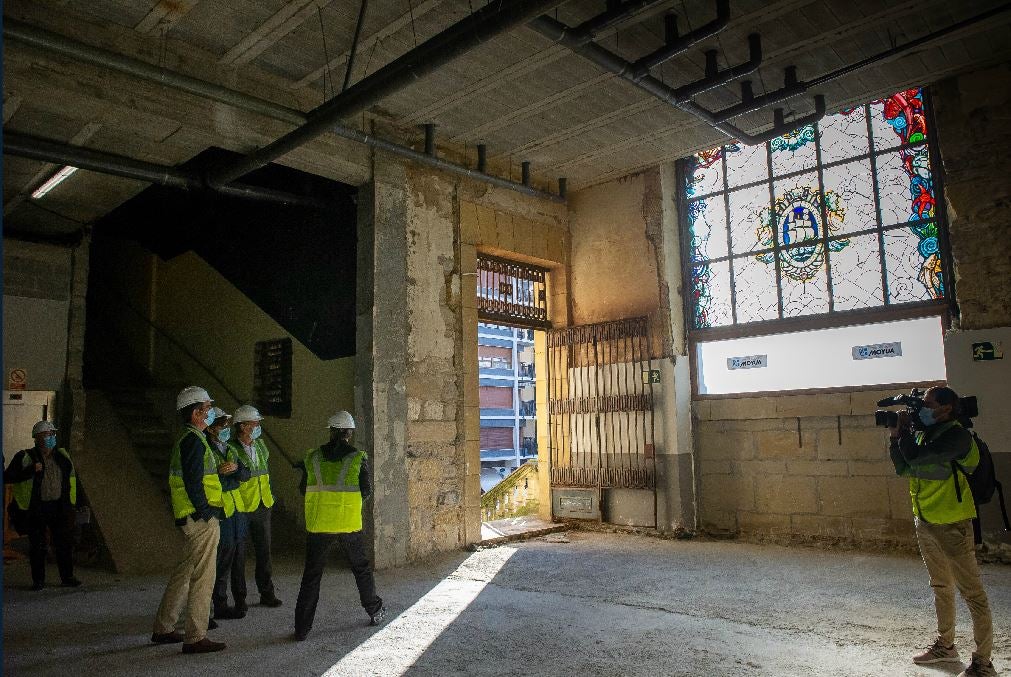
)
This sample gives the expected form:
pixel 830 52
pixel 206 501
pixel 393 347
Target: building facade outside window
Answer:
pixel 507 400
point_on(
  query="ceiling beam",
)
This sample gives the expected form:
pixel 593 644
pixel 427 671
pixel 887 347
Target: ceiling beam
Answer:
pixel 367 43
pixel 783 55
pixel 284 21
pixel 164 15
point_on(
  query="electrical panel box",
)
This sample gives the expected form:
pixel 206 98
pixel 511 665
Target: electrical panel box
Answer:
pixel 272 377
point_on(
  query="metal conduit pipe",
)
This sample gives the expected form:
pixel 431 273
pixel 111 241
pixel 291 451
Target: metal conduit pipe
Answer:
pixel 439 163
pixel 58 44
pixel 47 150
pixel 553 30
pixel 679 44
pixel 484 24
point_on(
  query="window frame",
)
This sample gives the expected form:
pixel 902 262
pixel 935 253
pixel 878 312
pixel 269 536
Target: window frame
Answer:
pixel 946 308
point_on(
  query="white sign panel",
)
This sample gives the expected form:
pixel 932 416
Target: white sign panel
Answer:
pixel 749 362
pixel 877 350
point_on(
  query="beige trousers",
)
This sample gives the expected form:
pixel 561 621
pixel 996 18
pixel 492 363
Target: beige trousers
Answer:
pixel 950 557
pixel 192 582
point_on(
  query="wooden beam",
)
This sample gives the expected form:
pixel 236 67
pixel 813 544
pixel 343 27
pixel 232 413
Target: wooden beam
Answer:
pixel 284 21
pixel 163 16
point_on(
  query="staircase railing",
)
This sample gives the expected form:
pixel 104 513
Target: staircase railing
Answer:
pixel 125 303
pixel 514 496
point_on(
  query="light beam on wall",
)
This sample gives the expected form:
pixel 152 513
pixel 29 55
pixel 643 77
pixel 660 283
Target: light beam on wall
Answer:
pixel 55 180
pixel 417 627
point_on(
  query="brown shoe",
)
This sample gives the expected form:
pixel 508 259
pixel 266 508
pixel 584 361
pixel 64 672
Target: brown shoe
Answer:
pixel 173 637
pixel 203 646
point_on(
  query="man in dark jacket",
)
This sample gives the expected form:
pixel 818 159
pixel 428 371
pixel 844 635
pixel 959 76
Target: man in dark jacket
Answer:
pixel 45 490
pixel 335 482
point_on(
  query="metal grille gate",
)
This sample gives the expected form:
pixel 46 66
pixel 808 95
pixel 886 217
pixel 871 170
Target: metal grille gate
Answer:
pixel 600 406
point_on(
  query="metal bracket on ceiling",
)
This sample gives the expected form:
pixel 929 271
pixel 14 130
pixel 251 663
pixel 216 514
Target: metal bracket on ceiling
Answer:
pixel 675 44
pixel 581 42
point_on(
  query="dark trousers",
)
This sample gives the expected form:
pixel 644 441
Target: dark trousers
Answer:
pixel 231 562
pixel 259 532
pixel 55 516
pixel 317 547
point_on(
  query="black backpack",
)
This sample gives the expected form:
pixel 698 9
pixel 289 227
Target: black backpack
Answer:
pixel 983 481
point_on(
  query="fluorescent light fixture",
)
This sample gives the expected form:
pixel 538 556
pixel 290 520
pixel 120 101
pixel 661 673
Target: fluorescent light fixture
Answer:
pixel 55 180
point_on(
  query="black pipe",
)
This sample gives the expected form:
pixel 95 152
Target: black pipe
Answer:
pixel 439 163
pixel 563 186
pixel 486 23
pixel 750 102
pixel 716 78
pixel 354 45
pixel 679 44
pixel 482 157
pixel 554 30
pixel 430 139
pixel 58 44
pixel 615 13
pixel 55 152
pixel 525 172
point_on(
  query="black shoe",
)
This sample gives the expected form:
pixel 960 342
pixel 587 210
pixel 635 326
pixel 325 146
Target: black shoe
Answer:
pixel 269 600
pixel 174 637
pixel 226 613
pixel 203 646
pixel 211 625
pixel 299 636
pixel 241 608
pixel 377 617
pixel 38 586
pixel 71 583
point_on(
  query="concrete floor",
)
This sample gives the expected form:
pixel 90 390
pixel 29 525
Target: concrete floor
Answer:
pixel 599 604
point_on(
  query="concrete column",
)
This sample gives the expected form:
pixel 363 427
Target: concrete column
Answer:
pixel 675 457
pixel 380 391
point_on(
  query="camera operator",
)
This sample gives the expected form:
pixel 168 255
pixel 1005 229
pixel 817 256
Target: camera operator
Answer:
pixel 943 523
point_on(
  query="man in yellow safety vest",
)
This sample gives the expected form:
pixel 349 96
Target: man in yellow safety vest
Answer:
pixel 45 491
pixel 336 484
pixel 198 505
pixel 943 521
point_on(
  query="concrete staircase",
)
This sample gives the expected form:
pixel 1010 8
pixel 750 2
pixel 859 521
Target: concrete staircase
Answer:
pixel 127 485
pixel 148 433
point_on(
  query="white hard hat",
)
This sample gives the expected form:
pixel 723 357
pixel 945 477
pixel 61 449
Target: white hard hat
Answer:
pixel 191 395
pixel 246 413
pixel 43 427
pixel 342 420
pixel 220 414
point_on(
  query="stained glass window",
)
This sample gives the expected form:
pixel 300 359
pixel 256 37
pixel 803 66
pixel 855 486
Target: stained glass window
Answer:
pixel 835 216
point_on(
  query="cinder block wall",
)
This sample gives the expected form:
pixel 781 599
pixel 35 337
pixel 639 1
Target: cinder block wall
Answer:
pixel 799 468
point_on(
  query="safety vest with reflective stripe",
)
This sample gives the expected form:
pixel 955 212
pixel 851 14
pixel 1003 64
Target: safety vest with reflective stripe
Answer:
pixel 181 504
pixel 931 488
pixel 333 499
pixel 23 490
pixel 257 488
pixel 227 495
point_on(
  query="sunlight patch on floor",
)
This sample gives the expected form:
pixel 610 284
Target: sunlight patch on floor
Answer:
pixel 416 628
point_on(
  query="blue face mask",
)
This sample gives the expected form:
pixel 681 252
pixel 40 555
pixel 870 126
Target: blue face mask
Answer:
pixel 256 433
pixel 927 416
pixel 210 417
pixel 224 434
pixel 50 442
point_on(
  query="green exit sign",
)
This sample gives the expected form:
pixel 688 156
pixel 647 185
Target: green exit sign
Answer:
pixel 987 350
pixel 651 376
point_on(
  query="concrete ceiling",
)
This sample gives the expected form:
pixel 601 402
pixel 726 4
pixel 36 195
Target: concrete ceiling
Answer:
pixel 522 96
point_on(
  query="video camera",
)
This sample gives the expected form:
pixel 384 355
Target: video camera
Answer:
pixel 913 402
